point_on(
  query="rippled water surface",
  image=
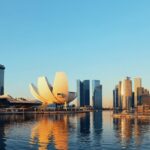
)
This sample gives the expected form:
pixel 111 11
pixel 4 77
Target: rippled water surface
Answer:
pixel 91 131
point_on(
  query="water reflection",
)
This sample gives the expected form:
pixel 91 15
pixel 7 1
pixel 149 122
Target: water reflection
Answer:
pixel 2 134
pixel 130 131
pixel 48 129
pixel 96 130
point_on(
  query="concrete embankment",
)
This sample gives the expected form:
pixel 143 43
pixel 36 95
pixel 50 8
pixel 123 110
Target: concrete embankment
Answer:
pixel 132 116
pixel 45 112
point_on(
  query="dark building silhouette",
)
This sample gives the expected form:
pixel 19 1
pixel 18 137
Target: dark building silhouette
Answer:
pixel 97 94
pixel 2 68
pixel 115 98
pixel 83 93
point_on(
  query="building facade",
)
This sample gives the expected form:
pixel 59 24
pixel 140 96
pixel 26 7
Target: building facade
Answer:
pixel 83 93
pixel 137 84
pixel 2 69
pixel 126 93
pixel 97 94
pixel 115 98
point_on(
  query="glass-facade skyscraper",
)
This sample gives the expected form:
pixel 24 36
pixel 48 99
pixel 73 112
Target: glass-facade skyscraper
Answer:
pixel 97 94
pixel 83 93
pixel 2 68
pixel 115 98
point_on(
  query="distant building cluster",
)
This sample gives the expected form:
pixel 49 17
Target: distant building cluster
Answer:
pixel 84 92
pixel 124 98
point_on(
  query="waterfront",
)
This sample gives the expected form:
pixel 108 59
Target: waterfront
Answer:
pixel 94 130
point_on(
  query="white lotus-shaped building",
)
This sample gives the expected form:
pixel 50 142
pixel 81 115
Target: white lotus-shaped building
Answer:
pixel 58 94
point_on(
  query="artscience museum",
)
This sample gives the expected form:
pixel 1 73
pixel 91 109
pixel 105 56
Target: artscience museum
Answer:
pixel 56 94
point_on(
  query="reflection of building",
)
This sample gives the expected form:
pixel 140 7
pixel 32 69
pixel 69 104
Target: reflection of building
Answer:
pixel 48 131
pixel 137 84
pixel 83 93
pixel 130 130
pixel 2 135
pixel 97 94
pixel 58 94
pixel 2 68
pixel 85 125
pixel 97 121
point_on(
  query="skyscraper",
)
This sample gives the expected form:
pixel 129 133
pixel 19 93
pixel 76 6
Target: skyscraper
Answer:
pixel 97 94
pixel 137 84
pixel 83 93
pixel 2 68
pixel 119 95
pixel 115 98
pixel 126 93
pixel 79 93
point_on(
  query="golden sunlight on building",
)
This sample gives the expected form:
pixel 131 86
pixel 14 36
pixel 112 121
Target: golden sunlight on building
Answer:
pixel 58 94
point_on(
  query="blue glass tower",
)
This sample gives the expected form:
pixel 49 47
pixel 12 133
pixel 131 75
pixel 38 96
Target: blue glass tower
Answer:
pixel 2 68
pixel 83 93
pixel 97 94
pixel 115 98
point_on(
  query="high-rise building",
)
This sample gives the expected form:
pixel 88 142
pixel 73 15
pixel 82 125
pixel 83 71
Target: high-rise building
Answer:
pixel 137 84
pixel 83 93
pixel 126 93
pixel 115 97
pixel 97 94
pixel 2 68
pixel 86 92
pixel 79 93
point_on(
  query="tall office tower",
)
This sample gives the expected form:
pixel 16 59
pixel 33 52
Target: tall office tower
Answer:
pixel 137 84
pixel 97 94
pixel 2 68
pixel 115 97
pixel 83 93
pixel 119 96
pixel 86 92
pixel 79 93
pixel 126 92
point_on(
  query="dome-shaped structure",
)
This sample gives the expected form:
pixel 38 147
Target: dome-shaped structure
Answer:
pixel 58 94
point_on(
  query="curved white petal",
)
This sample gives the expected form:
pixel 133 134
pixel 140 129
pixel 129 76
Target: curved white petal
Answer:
pixel 35 93
pixel 60 87
pixel 71 97
pixel 44 90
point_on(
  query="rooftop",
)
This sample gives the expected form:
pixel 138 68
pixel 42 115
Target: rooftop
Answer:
pixel 2 66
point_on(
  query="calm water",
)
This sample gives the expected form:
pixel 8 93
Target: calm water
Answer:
pixel 78 132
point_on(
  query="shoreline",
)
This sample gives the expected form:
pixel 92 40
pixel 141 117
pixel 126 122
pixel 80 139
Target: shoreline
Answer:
pixel 46 112
pixel 131 116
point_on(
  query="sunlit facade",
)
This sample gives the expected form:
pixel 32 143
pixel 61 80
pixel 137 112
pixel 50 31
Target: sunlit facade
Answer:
pixel 56 94
pixel 137 84
pixel 126 93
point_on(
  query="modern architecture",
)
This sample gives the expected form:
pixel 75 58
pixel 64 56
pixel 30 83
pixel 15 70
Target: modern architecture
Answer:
pixel 137 84
pixel 56 94
pixel 83 93
pixel 97 94
pixel 2 69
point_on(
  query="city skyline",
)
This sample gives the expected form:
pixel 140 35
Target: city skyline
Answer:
pixel 94 41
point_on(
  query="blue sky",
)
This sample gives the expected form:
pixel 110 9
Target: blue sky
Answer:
pixel 87 39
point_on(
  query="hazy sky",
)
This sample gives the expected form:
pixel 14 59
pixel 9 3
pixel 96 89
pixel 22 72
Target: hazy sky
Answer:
pixel 87 39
